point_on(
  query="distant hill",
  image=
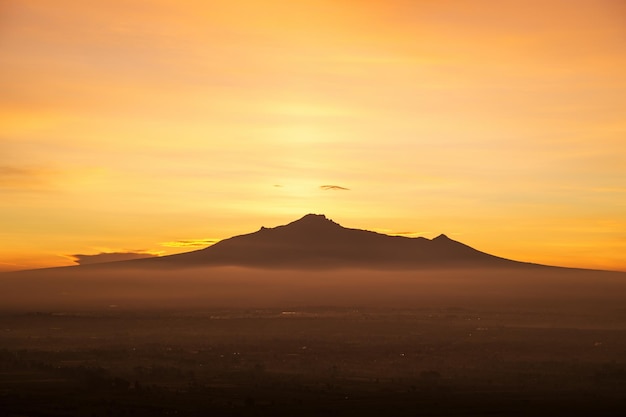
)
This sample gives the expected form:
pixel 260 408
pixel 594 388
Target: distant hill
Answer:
pixel 315 241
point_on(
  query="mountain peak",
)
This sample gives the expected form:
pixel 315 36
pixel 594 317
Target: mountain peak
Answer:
pixel 442 237
pixel 313 217
pixel 313 220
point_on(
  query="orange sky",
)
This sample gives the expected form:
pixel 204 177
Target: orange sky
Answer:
pixel 145 126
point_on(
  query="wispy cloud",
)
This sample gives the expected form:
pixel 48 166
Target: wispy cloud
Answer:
pixel 83 259
pixel 9 266
pixel 15 177
pixel 334 187
pixel 190 243
pixel 402 232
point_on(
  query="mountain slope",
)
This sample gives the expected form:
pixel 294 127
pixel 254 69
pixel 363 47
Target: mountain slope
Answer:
pixel 317 242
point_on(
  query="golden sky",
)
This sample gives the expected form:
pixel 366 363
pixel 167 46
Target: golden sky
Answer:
pixel 158 125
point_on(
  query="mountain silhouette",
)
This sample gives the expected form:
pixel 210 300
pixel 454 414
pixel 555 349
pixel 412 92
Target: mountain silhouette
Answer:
pixel 315 241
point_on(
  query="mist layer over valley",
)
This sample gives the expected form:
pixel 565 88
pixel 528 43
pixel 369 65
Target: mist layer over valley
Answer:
pixel 233 287
pixel 242 341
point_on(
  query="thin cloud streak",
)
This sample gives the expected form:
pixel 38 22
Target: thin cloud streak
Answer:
pixel 402 233
pixel 405 233
pixel 82 259
pixel 24 178
pixel 334 187
pixel 190 243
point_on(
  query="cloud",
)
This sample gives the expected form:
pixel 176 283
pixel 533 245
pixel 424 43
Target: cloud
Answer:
pixel 407 234
pixel 82 259
pixel 8 266
pixel 12 177
pixel 333 187
pixel 401 233
pixel 189 243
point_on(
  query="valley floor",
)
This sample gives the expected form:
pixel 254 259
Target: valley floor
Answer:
pixel 313 362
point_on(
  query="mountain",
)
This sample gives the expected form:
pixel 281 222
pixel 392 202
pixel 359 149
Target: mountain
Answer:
pixel 315 241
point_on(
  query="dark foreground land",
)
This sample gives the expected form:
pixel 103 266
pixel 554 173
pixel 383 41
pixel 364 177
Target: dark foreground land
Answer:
pixel 314 362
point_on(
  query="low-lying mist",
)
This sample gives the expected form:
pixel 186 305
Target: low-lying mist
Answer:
pixel 230 287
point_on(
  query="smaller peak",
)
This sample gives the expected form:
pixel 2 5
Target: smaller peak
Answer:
pixel 442 237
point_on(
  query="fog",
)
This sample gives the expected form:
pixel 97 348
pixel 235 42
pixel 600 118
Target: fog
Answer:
pixel 103 341
pixel 230 287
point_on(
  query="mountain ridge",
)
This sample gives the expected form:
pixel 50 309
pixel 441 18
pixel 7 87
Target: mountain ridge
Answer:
pixel 315 241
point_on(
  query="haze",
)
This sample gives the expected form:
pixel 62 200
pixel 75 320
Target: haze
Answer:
pixel 584 293
pixel 107 340
pixel 157 127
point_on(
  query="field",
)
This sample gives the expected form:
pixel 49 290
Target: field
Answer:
pixel 281 343
pixel 448 361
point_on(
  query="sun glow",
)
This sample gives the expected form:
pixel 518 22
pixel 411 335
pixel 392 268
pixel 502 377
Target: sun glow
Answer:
pixel 128 124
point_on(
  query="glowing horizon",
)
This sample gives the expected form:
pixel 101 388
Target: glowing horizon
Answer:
pixel 155 127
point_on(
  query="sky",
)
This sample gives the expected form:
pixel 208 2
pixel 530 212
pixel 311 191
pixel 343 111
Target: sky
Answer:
pixel 136 127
